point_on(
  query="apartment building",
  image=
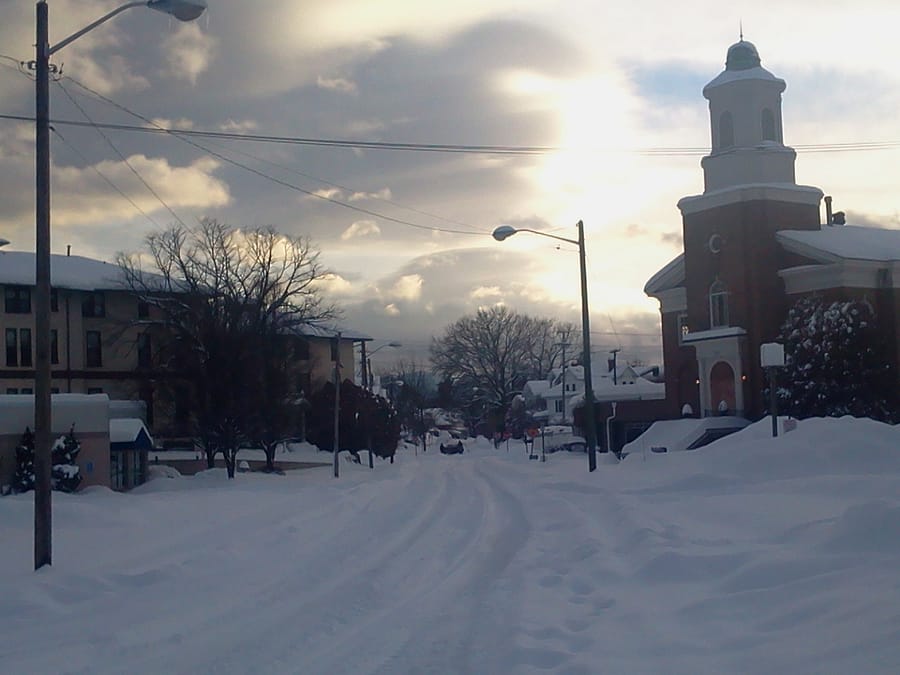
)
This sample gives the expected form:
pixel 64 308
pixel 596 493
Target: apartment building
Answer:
pixel 104 338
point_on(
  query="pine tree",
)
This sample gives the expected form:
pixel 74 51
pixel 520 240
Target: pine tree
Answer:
pixel 66 476
pixel 23 481
pixel 835 362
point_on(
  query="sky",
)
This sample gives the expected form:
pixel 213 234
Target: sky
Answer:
pixel 751 555
pixel 595 83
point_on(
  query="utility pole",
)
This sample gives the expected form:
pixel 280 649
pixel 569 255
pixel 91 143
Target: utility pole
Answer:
pixel 364 365
pixel 337 403
pixel 564 364
pixel 612 361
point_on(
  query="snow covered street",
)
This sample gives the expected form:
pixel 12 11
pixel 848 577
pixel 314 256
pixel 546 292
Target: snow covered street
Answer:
pixel 754 555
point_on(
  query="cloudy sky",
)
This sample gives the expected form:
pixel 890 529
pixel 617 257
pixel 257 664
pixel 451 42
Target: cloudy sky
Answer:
pixel 597 82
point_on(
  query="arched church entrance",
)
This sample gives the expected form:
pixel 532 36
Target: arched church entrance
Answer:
pixel 721 388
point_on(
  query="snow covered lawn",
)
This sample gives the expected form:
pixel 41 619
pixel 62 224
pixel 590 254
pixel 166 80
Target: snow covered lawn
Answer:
pixel 753 555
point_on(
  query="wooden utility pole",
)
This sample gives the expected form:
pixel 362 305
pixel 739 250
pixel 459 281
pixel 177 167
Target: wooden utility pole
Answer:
pixel 564 364
pixel 337 403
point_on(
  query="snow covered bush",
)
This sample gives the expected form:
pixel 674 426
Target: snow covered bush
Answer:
pixel 835 362
pixel 23 481
pixel 65 476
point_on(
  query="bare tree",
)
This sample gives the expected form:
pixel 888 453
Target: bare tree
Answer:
pixel 547 339
pixel 490 353
pixel 228 300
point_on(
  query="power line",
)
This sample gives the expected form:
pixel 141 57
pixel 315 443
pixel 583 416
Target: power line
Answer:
pixel 262 174
pixel 121 156
pixel 661 151
pixel 104 177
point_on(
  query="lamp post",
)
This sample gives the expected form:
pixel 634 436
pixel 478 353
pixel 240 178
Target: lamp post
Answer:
pixel 505 231
pixel 771 357
pixel 183 10
pixel 367 362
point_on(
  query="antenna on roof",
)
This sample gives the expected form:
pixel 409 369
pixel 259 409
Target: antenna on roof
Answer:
pixel 741 28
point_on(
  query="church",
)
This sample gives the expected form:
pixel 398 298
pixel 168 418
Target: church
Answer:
pixel 755 242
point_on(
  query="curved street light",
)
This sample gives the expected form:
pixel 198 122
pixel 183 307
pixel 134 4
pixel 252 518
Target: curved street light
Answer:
pixel 504 232
pixel 183 10
pixel 368 361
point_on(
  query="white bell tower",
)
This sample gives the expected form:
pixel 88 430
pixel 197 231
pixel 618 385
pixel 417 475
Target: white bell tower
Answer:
pixel 745 118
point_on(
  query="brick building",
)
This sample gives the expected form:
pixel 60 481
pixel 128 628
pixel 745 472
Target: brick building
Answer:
pixel 754 242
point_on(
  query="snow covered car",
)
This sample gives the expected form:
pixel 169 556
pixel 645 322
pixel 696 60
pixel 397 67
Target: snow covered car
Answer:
pixel 557 438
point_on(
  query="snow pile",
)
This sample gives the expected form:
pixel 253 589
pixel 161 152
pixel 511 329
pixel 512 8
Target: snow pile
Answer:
pixel 751 555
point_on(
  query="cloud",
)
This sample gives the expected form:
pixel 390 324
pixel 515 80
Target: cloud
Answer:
pixel 338 84
pixel 407 287
pixel 165 123
pixel 485 292
pixel 361 228
pixel 384 193
pixel 238 126
pixel 188 52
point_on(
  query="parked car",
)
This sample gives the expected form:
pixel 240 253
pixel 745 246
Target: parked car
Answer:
pixel 557 438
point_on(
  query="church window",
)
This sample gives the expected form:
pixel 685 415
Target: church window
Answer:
pixel 726 131
pixel 718 305
pixel 768 125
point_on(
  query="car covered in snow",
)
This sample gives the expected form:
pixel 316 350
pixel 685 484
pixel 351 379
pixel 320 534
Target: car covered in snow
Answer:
pixel 560 438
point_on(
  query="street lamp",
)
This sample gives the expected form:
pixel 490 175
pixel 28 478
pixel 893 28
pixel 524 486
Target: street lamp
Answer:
pixel 184 10
pixel 367 364
pixel 506 231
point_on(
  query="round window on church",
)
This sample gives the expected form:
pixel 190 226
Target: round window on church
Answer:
pixel 715 243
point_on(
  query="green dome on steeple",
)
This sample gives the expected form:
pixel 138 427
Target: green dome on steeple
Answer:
pixel 742 56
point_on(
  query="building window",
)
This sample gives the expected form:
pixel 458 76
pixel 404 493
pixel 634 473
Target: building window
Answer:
pixel 718 305
pixel 12 391
pixel 26 390
pixel 768 125
pixel 94 349
pixel 116 471
pixel 93 305
pixel 95 390
pixel 12 347
pixel 301 349
pixel 143 309
pixel 18 300
pixel 54 300
pixel 54 346
pixel 559 406
pixel 25 347
pixel 726 131
pixel 144 350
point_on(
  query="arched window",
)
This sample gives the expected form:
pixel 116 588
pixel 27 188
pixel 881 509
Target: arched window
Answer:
pixel 768 125
pixel 718 305
pixel 726 131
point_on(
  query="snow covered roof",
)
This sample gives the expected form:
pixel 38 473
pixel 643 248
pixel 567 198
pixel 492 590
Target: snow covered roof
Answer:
pixel 536 387
pixel 843 242
pixel 88 412
pixel 728 76
pixel 127 430
pixel 309 330
pixel 670 276
pixel 75 272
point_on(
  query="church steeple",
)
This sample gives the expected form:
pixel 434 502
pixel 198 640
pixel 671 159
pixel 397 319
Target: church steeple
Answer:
pixel 746 126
